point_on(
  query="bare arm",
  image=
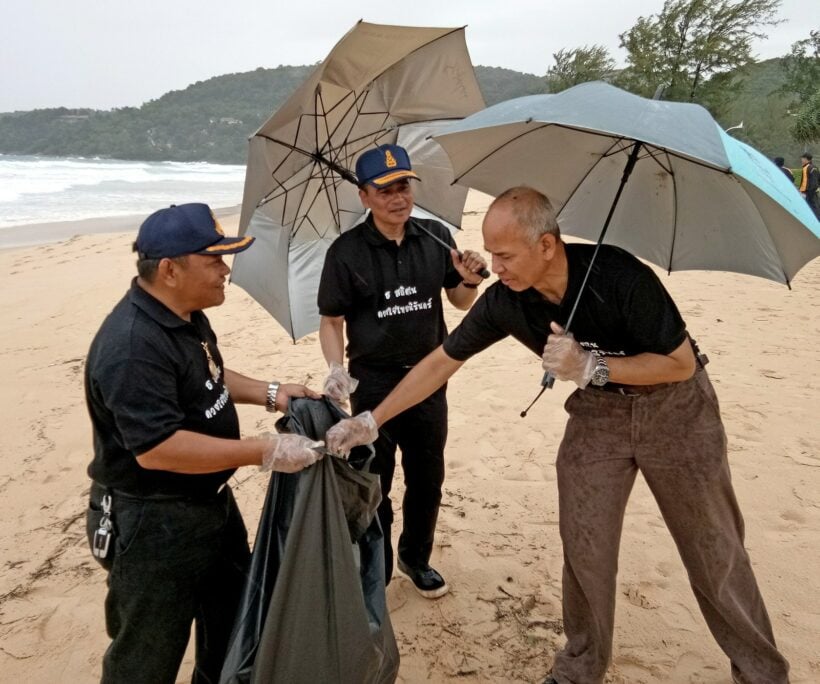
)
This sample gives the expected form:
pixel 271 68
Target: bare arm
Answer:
pixel 245 390
pixel 194 453
pixel 653 369
pixel 332 338
pixel 428 375
pixel 462 297
pixel 468 265
pixel 567 360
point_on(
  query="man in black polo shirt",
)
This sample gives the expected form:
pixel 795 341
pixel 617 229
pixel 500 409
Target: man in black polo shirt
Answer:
pixel 644 403
pixel 166 440
pixel 382 280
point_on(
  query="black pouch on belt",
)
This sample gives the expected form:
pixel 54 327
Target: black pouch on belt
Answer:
pixel 701 358
pixel 99 527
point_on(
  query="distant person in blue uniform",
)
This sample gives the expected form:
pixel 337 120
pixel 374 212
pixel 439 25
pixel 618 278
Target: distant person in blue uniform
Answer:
pixel 779 162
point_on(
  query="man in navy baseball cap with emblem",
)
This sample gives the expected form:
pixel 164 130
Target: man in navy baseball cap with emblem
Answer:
pixel 185 229
pixel 384 166
pixel 381 286
pixel 161 518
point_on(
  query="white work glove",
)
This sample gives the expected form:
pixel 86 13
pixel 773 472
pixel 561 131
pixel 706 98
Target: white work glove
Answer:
pixel 352 432
pixel 338 384
pixel 289 453
pixel 566 359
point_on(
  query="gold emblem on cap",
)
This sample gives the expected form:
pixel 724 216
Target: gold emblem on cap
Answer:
pixel 217 227
pixel 389 160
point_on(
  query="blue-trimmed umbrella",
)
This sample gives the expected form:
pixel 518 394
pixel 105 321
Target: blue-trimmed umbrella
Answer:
pixel 660 179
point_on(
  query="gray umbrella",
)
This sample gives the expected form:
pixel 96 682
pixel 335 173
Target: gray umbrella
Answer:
pixel 696 198
pixel 380 84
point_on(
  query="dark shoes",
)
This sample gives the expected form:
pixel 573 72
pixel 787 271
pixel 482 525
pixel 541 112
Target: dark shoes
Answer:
pixel 427 581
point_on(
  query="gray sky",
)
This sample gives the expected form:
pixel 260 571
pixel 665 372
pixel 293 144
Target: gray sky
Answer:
pixel 103 54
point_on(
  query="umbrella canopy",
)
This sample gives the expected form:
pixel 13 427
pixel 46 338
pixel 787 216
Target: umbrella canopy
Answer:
pixel 380 84
pixel 696 198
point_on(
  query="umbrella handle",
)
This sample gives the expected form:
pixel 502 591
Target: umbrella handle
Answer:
pixel 484 273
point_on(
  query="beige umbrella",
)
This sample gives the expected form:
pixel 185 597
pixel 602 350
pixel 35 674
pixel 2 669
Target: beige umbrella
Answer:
pixel 380 84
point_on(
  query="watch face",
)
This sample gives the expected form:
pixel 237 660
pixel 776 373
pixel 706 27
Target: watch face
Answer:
pixel 601 374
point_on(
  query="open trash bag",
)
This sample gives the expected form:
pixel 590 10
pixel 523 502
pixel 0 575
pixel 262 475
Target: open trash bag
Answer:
pixel 314 605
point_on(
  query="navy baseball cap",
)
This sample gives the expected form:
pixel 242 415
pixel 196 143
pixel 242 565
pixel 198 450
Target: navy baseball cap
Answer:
pixel 185 229
pixel 384 165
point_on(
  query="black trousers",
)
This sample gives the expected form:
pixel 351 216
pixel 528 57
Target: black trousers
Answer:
pixel 421 434
pixel 814 204
pixel 177 562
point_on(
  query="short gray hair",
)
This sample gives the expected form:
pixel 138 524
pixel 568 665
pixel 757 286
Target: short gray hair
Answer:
pixel 532 210
pixel 147 268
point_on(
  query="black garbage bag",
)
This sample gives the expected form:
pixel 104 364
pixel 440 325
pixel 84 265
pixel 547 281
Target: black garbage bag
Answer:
pixel 314 607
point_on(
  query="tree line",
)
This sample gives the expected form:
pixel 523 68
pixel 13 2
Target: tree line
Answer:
pixel 701 51
pixel 694 50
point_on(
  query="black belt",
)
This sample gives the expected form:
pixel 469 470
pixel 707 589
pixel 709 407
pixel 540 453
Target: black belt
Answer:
pixel 631 390
pixel 98 490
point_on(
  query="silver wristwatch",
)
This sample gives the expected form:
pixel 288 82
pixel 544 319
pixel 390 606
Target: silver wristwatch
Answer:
pixel 600 376
pixel 270 399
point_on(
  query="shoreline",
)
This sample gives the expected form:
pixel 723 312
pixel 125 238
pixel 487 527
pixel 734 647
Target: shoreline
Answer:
pixel 32 234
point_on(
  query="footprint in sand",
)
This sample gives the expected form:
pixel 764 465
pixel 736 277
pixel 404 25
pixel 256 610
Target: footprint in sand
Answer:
pixel 638 594
pixel 666 569
pixel 792 516
pixel 527 472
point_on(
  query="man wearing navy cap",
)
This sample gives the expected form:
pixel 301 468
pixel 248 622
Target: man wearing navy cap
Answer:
pixel 161 518
pixel 381 285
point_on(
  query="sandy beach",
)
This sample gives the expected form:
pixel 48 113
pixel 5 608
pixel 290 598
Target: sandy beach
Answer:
pixel 498 542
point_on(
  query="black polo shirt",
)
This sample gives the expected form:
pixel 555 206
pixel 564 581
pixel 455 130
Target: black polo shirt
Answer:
pixel 389 294
pixel 147 376
pixel 624 311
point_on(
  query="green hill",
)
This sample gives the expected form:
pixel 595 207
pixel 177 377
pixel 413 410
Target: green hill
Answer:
pixel 207 121
pixel 211 120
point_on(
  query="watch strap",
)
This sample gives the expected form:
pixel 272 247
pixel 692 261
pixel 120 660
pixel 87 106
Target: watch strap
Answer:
pixel 270 397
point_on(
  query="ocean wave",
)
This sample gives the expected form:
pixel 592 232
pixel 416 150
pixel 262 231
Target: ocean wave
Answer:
pixel 43 189
pixel 21 177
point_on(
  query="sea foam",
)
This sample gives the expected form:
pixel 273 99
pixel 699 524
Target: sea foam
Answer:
pixel 46 189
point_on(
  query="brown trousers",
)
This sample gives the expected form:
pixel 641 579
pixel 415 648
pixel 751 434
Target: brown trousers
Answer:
pixel 675 437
